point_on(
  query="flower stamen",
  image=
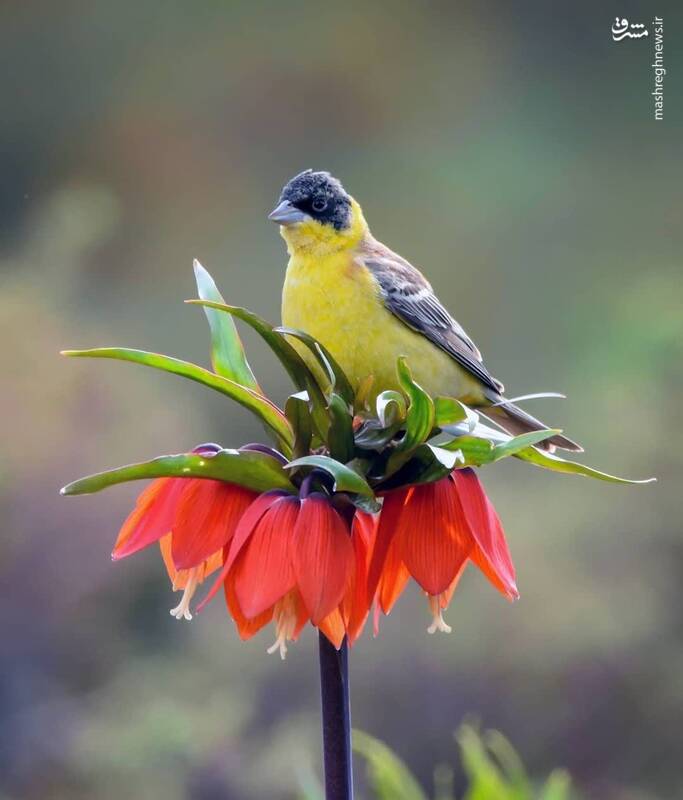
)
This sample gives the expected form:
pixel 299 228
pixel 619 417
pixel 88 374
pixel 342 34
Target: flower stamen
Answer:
pixel 285 617
pixel 438 622
pixel 182 610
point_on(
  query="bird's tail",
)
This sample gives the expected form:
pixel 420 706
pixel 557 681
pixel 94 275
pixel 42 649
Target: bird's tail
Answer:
pixel 514 420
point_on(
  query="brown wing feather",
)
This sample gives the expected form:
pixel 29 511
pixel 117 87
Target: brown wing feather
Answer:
pixel 410 297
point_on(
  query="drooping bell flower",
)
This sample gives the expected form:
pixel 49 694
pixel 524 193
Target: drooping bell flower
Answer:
pixel 430 532
pixel 293 560
pixel 193 519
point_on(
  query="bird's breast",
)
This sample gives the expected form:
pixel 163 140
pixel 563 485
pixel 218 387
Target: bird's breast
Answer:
pixel 338 301
pixel 334 300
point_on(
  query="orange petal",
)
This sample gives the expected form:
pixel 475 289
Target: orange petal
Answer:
pixel 491 552
pixel 434 540
pixel 180 577
pixel 207 516
pixel 389 517
pixel 151 518
pixel 333 627
pixel 263 571
pixel 322 555
pixel 246 525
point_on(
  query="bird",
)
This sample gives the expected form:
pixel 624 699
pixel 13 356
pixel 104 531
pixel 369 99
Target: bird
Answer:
pixel 368 306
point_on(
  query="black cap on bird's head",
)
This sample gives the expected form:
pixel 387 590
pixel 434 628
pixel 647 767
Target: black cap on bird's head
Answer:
pixel 313 196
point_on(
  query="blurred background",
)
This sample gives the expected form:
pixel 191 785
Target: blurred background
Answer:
pixel 509 152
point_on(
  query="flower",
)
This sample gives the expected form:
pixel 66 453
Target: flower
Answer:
pixel 293 560
pixel 193 519
pixel 430 532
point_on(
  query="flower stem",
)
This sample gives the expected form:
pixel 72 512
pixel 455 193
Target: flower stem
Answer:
pixel 336 708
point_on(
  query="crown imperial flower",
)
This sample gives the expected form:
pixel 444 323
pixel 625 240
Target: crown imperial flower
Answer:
pixel 350 503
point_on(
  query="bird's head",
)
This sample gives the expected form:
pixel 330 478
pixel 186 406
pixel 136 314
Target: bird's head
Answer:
pixel 316 214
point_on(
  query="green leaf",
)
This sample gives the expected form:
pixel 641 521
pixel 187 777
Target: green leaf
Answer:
pixel 420 417
pixel 554 462
pixel 448 411
pixel 227 352
pixel 391 407
pixel 389 777
pixel 296 367
pixel 485 779
pixel 372 436
pixel 426 464
pixel 340 434
pixel 345 479
pixel 368 504
pixel 475 451
pixel 268 412
pixel 339 383
pixel 298 413
pixel 557 786
pixel 248 468
pixel 521 442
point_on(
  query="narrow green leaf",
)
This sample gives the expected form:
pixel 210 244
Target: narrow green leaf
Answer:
pixel 345 479
pixel 389 777
pixel 297 369
pixel 420 417
pixel 338 380
pixel 268 412
pixel 248 468
pixel 521 442
pixel 227 351
pixel 485 778
pixel 557 787
pixel 475 451
pixel 391 407
pixel 448 411
pixel 298 413
pixel 554 462
pixel 340 434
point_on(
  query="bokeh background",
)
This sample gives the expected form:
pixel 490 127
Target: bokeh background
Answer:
pixel 509 151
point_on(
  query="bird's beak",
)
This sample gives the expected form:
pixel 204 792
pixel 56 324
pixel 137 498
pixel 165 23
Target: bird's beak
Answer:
pixel 287 214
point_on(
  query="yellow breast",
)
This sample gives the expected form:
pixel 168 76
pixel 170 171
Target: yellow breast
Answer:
pixel 337 300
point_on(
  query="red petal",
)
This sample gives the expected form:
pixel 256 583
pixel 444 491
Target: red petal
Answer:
pixel 388 527
pixel 263 571
pixel 244 529
pixel 446 597
pixel 356 603
pixel 323 557
pixel 151 518
pixel 395 576
pixel 206 519
pixel 246 628
pixel 434 539
pixel 491 553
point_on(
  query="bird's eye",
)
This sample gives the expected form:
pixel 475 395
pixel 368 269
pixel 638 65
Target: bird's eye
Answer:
pixel 319 204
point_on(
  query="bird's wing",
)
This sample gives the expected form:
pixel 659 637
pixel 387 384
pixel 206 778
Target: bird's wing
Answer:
pixel 410 297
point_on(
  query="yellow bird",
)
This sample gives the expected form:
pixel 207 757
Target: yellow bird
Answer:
pixel 367 305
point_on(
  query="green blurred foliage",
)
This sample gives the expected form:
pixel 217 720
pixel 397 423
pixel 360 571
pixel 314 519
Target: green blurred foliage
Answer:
pixel 507 150
pixel 493 769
